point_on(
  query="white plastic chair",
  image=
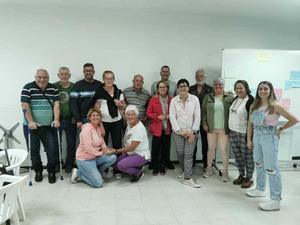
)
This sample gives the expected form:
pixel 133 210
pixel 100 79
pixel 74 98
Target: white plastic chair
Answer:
pixel 8 198
pixel 16 158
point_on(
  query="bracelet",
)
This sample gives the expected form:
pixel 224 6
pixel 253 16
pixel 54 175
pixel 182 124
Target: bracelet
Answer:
pixel 281 128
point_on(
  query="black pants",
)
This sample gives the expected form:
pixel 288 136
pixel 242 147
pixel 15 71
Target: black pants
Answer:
pixel 160 150
pixel 71 130
pixel 203 134
pixel 115 130
pixel 48 136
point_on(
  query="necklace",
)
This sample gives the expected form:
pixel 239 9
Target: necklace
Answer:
pixel 233 110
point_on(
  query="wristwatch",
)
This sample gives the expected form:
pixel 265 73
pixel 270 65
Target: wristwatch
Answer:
pixel 280 128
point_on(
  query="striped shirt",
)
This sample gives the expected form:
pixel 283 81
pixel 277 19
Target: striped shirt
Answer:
pixel 139 99
pixel 41 109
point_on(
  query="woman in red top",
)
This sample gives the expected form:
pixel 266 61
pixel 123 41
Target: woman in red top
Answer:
pixel 160 127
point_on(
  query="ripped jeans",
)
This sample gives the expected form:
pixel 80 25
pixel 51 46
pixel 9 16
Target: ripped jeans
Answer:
pixel 265 153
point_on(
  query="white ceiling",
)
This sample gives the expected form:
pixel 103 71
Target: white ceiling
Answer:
pixel 288 10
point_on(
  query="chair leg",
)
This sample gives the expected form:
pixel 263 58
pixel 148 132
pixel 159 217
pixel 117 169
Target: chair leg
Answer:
pixel 15 218
pixel 21 208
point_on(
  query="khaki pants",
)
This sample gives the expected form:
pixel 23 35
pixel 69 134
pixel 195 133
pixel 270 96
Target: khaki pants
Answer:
pixel 220 139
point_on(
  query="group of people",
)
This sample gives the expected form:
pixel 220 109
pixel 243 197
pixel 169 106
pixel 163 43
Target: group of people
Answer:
pixel 101 109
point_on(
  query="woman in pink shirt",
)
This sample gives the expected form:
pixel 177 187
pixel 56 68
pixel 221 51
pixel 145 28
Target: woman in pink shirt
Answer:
pixel 92 155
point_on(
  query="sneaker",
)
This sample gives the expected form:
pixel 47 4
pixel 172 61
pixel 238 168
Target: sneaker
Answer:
pixel 225 177
pixel 137 178
pixel 208 173
pixel 162 170
pixel 256 193
pixel 118 175
pixel 74 177
pixel 38 176
pixel 191 182
pixel 180 176
pixel 155 172
pixel 247 183
pixel 239 180
pixel 51 178
pixel 272 205
pixel 170 166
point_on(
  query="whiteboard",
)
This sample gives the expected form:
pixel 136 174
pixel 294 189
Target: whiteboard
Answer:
pixel 282 69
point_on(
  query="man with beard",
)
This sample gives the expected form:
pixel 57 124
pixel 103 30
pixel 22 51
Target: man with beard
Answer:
pixel 201 89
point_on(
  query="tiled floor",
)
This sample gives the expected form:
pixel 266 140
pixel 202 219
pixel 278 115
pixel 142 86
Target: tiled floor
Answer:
pixel 161 200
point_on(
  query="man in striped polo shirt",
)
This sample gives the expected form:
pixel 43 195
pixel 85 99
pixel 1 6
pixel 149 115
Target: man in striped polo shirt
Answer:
pixel 40 101
pixel 138 96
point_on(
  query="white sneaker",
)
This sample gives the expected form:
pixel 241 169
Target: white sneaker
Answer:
pixel 207 173
pixel 191 182
pixel 118 176
pixel 256 193
pixel 180 176
pixel 225 178
pixel 272 205
pixel 74 176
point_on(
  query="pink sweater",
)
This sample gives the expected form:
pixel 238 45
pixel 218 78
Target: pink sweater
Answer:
pixel 91 143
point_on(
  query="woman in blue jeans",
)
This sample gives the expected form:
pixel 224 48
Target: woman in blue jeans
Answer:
pixel 262 136
pixel 92 156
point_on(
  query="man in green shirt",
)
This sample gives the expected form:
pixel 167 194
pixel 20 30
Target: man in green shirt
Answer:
pixel 67 123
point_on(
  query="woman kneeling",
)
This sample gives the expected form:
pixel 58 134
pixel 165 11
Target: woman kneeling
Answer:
pixel 92 155
pixel 135 152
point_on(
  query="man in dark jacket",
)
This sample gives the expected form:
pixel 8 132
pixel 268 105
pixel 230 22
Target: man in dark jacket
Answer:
pixel 201 89
pixel 82 96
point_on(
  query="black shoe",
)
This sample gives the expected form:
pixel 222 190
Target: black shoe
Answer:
pixel 162 170
pixel 51 178
pixel 137 178
pixel 239 180
pixel 38 176
pixel 170 166
pixel 155 172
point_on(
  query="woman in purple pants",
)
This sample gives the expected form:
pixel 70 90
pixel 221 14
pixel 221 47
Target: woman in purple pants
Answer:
pixel 135 152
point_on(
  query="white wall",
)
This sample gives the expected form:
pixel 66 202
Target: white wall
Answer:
pixel 127 43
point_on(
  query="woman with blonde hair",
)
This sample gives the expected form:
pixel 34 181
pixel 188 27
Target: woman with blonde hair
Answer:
pixel 93 157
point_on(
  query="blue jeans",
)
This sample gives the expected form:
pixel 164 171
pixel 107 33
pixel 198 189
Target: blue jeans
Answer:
pixel 265 153
pixel 90 170
pixel 48 136
pixel 70 129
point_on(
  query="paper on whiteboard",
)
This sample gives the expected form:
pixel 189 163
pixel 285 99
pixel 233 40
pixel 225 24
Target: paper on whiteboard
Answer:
pixel 263 57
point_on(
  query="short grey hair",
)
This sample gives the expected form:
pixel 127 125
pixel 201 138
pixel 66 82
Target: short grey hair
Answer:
pixel 200 71
pixel 219 80
pixel 42 70
pixel 63 68
pixel 132 108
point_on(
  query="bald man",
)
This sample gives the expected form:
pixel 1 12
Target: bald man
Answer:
pixel 40 102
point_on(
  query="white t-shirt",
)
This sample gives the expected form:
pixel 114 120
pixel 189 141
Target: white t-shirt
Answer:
pixel 238 115
pixel 138 133
pixel 105 113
